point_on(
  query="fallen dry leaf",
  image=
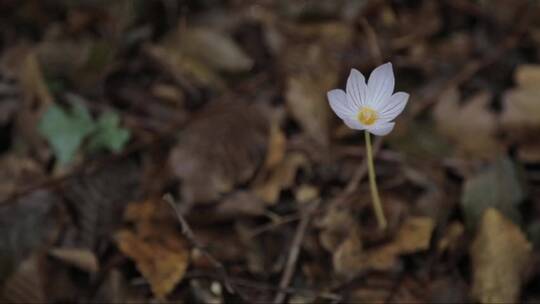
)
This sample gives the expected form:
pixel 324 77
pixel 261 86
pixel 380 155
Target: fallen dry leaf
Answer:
pixel 312 70
pixel 81 258
pixel 158 249
pixel 500 257
pixel 282 177
pixel 413 235
pixel 453 233
pixel 335 225
pixel 162 261
pixel 222 148
pixel 520 117
pixel 26 285
pixel 198 54
pixel 472 127
pixel 241 203
pixel 347 256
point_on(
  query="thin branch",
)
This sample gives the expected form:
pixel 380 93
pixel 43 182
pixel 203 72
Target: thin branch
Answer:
pixel 294 252
pixel 188 233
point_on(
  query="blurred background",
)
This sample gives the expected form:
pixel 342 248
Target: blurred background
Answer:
pixel 184 151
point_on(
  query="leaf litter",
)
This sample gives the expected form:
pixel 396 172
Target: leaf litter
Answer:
pixel 222 106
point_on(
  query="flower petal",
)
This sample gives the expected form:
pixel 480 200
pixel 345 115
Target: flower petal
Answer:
pixel 382 128
pixel 395 105
pixel 357 88
pixel 341 104
pixel 380 85
pixel 354 124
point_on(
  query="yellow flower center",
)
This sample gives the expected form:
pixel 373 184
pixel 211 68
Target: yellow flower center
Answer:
pixel 367 116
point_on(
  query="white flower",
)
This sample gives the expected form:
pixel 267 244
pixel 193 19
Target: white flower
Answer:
pixel 370 107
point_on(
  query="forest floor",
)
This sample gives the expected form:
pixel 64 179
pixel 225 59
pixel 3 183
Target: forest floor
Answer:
pixel 185 151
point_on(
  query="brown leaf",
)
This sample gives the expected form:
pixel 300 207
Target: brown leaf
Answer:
pixel 17 172
pixel 81 258
pixel 282 177
pixel 472 127
pixel 158 249
pixel 452 235
pixel 19 220
pixel 500 257
pixel 347 256
pixel 413 235
pixel 241 203
pixel 220 149
pixel 162 262
pixel 335 226
pixel 99 199
pixel 306 100
pixel 312 69
pixel 197 54
pixel 26 285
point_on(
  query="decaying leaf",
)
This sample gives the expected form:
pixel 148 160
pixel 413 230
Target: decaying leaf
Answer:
pixel 18 221
pixel 198 54
pixel 453 233
pixel 81 258
pixel 312 70
pixel 222 148
pixel 335 225
pixel 282 177
pixel 413 235
pixel 472 127
pixel 521 112
pixel 307 103
pixel 26 285
pixel 162 260
pixel 241 203
pixel 158 249
pixel 500 257
pixel 98 200
pixel 347 256
pixel 498 186
pixel 17 172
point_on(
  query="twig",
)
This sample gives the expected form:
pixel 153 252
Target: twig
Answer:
pixel 188 233
pixel 272 225
pixel 264 286
pixel 294 252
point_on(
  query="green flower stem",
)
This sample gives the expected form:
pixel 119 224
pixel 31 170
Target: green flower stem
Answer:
pixel 379 213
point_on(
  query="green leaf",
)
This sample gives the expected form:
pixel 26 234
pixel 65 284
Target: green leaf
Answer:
pixel 65 131
pixel 108 134
pixel 498 186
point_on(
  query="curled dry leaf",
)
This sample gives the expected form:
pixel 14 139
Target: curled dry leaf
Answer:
pixel 472 127
pixel 158 249
pixel 413 235
pixel 500 257
pixel 221 149
pixel 81 258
